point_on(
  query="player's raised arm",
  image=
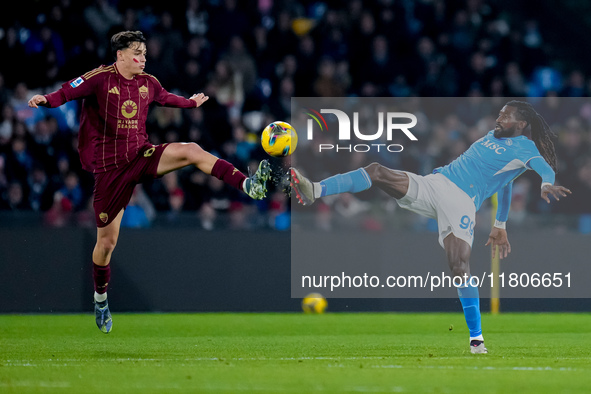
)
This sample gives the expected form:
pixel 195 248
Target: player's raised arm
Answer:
pixel 80 87
pixel 167 99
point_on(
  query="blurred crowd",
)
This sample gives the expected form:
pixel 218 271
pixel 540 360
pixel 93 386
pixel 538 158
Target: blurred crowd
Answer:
pixel 251 57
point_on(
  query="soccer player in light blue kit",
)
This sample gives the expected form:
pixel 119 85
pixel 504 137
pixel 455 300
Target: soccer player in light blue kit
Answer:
pixel 453 194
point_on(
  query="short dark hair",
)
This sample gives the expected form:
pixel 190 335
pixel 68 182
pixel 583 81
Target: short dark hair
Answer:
pixel 123 40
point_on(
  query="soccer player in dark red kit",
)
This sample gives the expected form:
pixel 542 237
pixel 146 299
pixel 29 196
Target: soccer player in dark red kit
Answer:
pixel 114 146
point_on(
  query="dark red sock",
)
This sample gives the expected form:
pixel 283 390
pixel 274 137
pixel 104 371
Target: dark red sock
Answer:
pixel 102 276
pixel 228 173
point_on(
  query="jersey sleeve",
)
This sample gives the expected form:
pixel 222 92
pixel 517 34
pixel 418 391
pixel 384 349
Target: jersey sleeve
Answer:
pixel 504 198
pixel 526 151
pixel 76 88
pixel 539 165
pixel 167 99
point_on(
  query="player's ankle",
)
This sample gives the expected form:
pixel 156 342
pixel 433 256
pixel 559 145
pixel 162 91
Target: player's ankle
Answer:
pixel 100 297
pixel 317 187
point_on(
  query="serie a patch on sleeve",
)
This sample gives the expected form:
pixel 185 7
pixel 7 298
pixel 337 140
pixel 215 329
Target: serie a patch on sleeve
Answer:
pixel 77 82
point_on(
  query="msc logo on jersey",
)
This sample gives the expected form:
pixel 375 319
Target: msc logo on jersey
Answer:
pixel 492 146
pixel 144 92
pixel 129 109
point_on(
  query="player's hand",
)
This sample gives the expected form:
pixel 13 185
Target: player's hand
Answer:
pixel 199 98
pixel 499 241
pixel 37 100
pixel 555 191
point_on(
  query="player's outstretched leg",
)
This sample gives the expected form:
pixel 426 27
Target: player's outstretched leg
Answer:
pixel 256 185
pixel 307 192
pixel 179 155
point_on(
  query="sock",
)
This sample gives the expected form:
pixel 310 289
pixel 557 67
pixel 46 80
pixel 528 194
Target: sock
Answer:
pixel 100 297
pixel 317 189
pixel 352 182
pixel 101 276
pixel 228 173
pixel 471 304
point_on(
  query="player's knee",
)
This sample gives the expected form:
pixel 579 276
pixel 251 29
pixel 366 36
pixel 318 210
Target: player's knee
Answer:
pixel 193 152
pixel 460 271
pixel 107 244
pixel 460 268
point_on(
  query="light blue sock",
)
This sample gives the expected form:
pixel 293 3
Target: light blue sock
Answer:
pixel 352 182
pixel 471 304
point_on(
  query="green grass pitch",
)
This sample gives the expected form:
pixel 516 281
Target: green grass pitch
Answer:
pixel 294 353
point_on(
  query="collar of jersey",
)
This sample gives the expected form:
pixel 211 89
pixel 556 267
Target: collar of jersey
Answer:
pixel 510 138
pixel 122 78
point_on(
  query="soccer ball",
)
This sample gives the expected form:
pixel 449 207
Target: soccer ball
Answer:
pixel 279 139
pixel 314 303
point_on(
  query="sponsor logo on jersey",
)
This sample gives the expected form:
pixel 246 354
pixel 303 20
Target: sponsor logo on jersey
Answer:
pixel 114 90
pixel 77 82
pixel 492 146
pixel 129 109
pixel 144 92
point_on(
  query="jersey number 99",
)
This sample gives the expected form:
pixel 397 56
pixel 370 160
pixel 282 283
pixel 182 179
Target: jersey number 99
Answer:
pixel 467 224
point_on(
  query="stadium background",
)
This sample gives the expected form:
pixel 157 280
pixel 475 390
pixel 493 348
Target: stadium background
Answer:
pixel 251 57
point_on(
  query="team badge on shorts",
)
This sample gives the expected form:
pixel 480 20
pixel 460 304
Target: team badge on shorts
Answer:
pixel 149 152
pixel 103 217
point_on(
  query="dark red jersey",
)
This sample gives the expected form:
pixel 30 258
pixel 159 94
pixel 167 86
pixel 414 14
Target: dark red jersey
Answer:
pixel 114 112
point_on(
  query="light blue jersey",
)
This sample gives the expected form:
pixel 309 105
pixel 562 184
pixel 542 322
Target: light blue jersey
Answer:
pixel 492 163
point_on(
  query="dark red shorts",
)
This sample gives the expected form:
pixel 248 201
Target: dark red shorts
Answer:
pixel 113 189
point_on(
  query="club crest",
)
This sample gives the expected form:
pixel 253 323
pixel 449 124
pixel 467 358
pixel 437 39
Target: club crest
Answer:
pixel 144 92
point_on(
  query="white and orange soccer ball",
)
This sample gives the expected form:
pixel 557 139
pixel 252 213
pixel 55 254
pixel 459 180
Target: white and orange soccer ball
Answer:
pixel 279 139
